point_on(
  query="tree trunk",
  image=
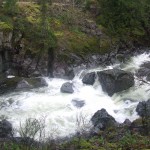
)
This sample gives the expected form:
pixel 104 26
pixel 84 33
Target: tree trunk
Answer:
pixel 50 62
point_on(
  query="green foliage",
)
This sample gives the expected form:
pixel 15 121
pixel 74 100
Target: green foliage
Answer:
pixel 134 141
pixel 125 18
pixel 10 7
pixel 47 37
pixel 6 23
pixel 5 26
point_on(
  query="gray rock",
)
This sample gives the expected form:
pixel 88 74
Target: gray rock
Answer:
pixel 146 65
pixel 115 80
pixel 102 120
pixel 23 85
pixel 5 129
pixel 143 108
pixel 120 57
pixel 78 103
pixel 36 74
pixel 18 83
pixel 148 77
pixel 127 122
pixel 144 70
pixel 67 88
pixel 89 78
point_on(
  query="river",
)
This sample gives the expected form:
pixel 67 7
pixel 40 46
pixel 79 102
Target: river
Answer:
pixel 58 112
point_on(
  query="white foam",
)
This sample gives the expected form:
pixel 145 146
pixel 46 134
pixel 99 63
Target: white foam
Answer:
pixel 61 114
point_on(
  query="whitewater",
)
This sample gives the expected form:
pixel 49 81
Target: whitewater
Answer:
pixel 59 112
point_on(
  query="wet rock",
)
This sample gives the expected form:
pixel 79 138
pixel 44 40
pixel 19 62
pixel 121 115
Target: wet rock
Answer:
pixel 148 77
pixel 9 84
pixel 78 103
pixel 120 57
pixel 23 85
pixel 18 83
pixel 144 70
pixel 5 129
pixel 37 82
pixel 89 78
pixel 36 74
pixel 146 65
pixel 69 73
pixel 102 120
pixel 127 122
pixel 143 109
pixel 67 88
pixel 115 80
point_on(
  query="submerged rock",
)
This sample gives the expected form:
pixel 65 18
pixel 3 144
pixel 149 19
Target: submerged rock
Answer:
pixel 67 88
pixel 115 80
pixel 102 120
pixel 78 103
pixel 89 78
pixel 5 129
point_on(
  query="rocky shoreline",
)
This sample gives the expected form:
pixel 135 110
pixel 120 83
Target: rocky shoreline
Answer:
pixel 103 124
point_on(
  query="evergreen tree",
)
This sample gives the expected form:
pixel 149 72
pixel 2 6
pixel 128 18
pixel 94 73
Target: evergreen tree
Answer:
pixel 125 18
pixel 48 40
pixel 10 7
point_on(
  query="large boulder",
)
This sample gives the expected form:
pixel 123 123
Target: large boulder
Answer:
pixel 143 109
pixel 5 129
pixel 115 80
pixel 18 83
pixel 67 88
pixel 89 78
pixel 102 120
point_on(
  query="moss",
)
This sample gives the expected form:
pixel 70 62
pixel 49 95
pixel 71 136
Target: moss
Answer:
pixel 4 26
pixel 29 9
pixel 85 144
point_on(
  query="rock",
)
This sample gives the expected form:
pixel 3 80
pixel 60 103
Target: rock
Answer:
pixel 67 88
pixel 144 70
pixel 143 109
pixel 36 74
pixel 37 82
pixel 18 83
pixel 146 65
pixel 9 84
pixel 127 122
pixel 102 120
pixel 78 103
pixel 69 73
pixel 120 57
pixel 115 80
pixel 89 78
pixel 5 129
pixel 148 77
pixel 23 85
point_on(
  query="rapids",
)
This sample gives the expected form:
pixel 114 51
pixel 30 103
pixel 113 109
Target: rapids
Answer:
pixel 59 113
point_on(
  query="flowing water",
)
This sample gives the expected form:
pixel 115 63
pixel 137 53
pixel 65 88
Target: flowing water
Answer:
pixel 58 110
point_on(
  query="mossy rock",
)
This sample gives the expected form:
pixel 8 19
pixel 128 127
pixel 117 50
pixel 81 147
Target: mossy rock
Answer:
pixel 8 84
pixel 19 83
